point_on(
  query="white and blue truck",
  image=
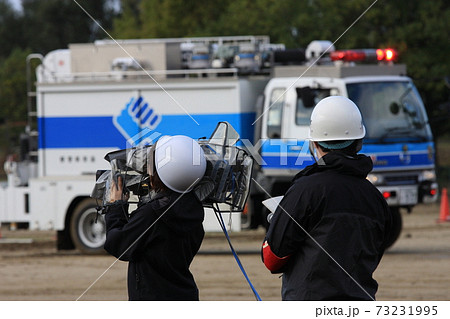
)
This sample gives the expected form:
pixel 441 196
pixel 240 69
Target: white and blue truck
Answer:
pixel 93 98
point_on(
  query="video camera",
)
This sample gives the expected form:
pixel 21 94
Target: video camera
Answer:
pixel 226 180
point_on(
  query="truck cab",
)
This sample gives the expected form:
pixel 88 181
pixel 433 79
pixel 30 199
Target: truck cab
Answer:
pixel 398 138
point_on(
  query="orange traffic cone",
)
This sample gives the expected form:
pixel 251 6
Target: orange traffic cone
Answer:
pixel 444 215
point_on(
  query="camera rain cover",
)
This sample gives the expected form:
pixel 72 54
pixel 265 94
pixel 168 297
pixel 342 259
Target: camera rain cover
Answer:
pixel 131 165
pixel 228 172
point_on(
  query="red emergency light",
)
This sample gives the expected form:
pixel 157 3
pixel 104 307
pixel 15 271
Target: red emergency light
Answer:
pixel 386 54
pixel 364 55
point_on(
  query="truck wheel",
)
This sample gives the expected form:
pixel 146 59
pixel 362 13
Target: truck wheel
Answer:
pixel 397 224
pixel 87 235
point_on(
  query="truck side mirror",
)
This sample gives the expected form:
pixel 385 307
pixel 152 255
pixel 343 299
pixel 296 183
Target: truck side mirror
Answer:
pixel 307 96
pixel 394 108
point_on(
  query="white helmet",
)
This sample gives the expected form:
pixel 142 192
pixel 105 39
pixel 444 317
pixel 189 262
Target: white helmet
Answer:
pixel 336 118
pixel 179 161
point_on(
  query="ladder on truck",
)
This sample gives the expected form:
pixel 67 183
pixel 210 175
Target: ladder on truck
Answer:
pixel 31 130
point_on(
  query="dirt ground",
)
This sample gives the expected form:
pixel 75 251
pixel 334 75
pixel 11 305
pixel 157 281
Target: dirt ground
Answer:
pixel 415 268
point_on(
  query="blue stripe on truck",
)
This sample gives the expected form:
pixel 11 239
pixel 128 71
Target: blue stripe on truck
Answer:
pixel 277 155
pixel 99 131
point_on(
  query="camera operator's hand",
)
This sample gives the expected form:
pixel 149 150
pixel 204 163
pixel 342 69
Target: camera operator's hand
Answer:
pixel 117 191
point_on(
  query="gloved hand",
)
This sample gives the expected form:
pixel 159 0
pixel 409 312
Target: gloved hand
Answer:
pixel 117 192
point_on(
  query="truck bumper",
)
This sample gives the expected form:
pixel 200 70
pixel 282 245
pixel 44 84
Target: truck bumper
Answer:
pixel 400 195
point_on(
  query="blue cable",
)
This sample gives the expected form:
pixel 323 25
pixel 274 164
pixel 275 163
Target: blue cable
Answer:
pixel 222 225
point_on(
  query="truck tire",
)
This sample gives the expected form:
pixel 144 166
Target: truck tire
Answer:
pixel 397 225
pixel 87 235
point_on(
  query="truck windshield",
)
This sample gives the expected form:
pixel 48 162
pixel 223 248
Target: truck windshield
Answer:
pixel 391 109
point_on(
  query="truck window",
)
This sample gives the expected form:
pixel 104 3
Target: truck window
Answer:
pixel 275 113
pixel 391 109
pixel 307 99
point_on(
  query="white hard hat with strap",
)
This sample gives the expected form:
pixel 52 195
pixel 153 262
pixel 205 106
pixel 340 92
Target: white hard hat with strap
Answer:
pixel 179 161
pixel 336 118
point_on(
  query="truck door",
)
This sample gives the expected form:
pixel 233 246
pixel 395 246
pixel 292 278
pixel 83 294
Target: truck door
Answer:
pixel 275 113
pixel 299 105
pixel 273 132
pixel 281 147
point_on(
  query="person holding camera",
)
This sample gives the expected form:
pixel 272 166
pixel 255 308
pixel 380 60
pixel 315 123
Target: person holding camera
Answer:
pixel 329 232
pixel 161 237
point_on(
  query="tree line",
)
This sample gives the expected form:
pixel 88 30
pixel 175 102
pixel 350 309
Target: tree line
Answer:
pixel 418 29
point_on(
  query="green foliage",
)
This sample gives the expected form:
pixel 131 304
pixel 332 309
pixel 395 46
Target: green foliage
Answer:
pixel 13 93
pixel 167 19
pixel 127 25
pixel 13 99
pixel 61 22
pixel 418 29
pixel 10 28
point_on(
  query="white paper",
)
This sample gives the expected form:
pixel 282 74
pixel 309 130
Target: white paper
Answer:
pixel 272 203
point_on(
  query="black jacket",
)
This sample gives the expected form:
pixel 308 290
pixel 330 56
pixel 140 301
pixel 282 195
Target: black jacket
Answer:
pixel 343 213
pixel 160 241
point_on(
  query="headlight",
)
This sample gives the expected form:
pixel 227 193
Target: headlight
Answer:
pixel 428 176
pixel 217 64
pixel 375 179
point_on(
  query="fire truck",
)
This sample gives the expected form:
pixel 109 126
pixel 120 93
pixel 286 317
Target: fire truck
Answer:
pixel 93 98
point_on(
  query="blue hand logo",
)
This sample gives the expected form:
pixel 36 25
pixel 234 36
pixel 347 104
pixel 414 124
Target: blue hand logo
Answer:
pixel 136 117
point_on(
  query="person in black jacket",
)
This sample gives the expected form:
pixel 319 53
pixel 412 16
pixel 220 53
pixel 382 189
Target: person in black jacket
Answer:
pixel 329 232
pixel 161 237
